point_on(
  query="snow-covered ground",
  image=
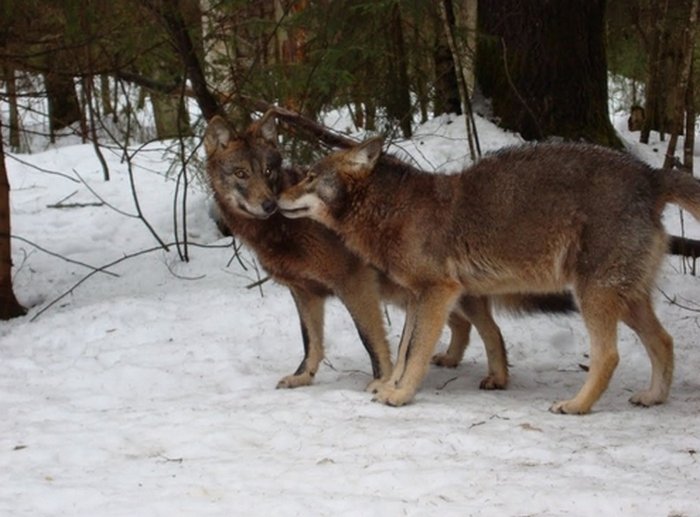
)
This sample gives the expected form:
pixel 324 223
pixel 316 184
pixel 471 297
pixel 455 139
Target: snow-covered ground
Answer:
pixel 150 391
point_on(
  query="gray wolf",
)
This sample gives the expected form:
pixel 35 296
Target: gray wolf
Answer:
pixel 246 175
pixel 540 218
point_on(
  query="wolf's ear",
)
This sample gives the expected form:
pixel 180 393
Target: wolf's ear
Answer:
pixel 364 157
pixel 266 128
pixel 217 134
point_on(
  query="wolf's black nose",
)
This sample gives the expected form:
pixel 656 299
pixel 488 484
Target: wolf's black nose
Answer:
pixel 269 205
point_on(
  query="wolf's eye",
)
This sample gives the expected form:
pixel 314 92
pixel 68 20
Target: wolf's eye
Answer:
pixel 310 177
pixel 240 173
pixel 268 172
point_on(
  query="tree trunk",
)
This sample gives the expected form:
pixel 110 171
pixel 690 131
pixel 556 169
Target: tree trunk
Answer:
pixel 681 92
pixel 64 108
pixel 9 306
pixel 544 66
pixel 399 99
pixel 655 35
pixel 465 12
pixel 175 24
pixel 9 74
pixel 446 90
pixel 170 116
pixel 105 98
pixel 459 58
pixel 690 113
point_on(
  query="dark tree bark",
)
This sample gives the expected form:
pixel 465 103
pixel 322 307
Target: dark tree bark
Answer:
pixel 446 91
pixel 681 86
pixel 544 66
pixel 64 107
pixel 690 115
pixel 453 55
pixel 11 85
pixel 654 35
pixel 662 26
pixel 9 306
pixel 399 100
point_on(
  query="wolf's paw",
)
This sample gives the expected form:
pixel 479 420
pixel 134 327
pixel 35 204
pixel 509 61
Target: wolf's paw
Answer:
pixel 493 382
pixel 445 361
pixel 568 407
pixel 393 396
pixel 295 381
pixel 646 398
pixel 375 385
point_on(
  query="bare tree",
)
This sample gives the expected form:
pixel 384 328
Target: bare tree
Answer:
pixel 459 56
pixel 9 306
pixel 681 90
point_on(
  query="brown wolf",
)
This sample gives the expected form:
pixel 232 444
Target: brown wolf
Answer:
pixel 246 175
pixel 536 218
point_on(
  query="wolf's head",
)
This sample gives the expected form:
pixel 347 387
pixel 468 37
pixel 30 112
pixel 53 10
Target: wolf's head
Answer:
pixel 244 170
pixel 324 193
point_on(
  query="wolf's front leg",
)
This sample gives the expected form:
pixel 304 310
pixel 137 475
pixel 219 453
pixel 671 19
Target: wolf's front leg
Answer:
pixel 310 308
pixel 431 311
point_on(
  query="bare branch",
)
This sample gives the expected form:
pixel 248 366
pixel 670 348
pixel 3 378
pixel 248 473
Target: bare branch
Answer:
pixel 62 257
pixel 103 269
pixel 673 301
pixel 94 193
pixel 41 169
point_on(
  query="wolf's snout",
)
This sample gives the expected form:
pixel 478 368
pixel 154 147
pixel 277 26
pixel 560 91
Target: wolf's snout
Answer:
pixel 269 206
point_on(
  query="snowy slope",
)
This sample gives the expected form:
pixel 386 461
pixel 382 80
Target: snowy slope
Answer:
pixel 152 392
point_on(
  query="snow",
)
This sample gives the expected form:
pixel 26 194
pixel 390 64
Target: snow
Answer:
pixel 152 392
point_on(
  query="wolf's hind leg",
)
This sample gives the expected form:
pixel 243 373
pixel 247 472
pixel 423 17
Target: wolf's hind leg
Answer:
pixel 601 313
pixel 310 308
pixel 361 296
pixel 478 311
pixel 640 317
pixel 460 328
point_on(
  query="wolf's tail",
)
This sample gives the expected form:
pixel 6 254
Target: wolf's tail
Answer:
pixel 532 303
pixel 682 189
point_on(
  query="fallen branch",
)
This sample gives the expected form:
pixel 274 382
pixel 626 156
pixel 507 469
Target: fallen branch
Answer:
pixel 61 204
pixel 319 132
pixel 74 205
pixel 322 133
pixel 258 283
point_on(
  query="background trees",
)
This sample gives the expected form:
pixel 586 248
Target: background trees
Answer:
pixel 543 65
pixel 654 44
